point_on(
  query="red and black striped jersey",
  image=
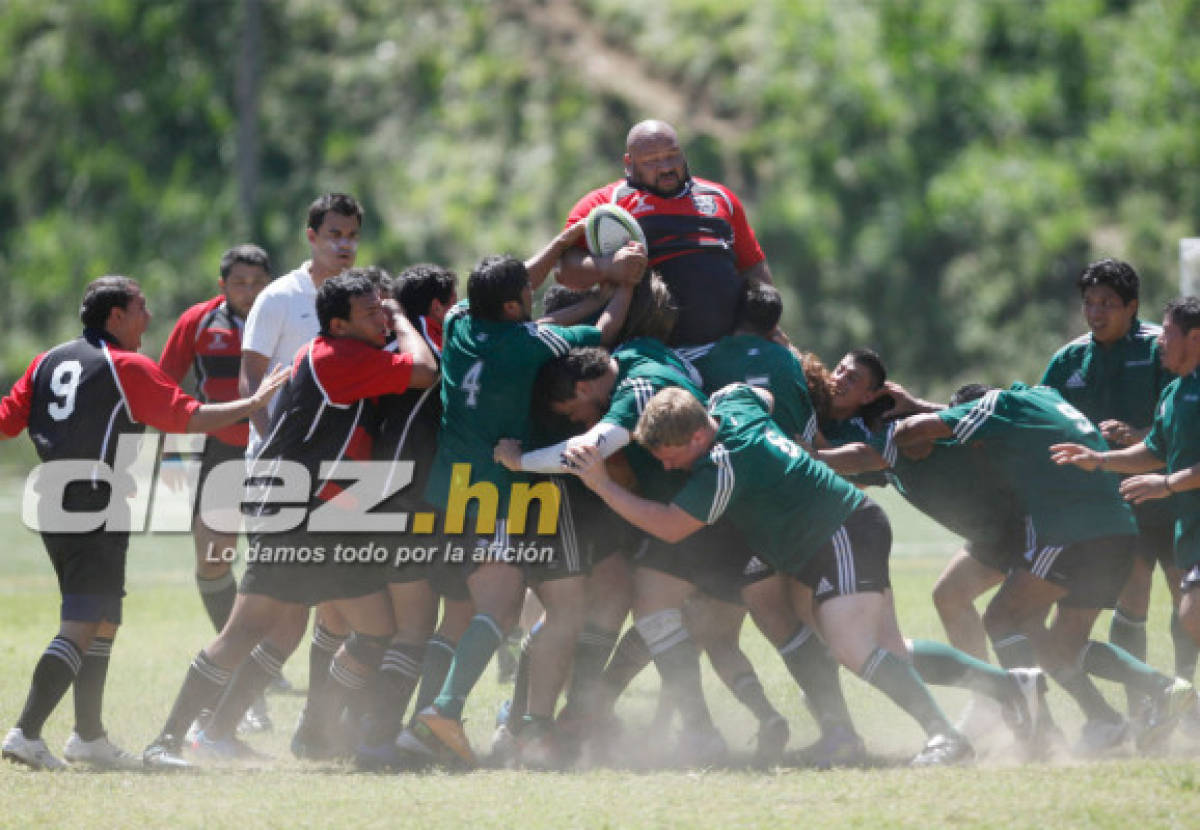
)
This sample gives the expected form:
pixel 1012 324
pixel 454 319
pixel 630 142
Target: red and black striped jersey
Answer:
pixel 408 424
pixel 207 338
pixel 699 240
pixel 326 410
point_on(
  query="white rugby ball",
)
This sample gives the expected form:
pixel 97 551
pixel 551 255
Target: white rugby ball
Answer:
pixel 609 227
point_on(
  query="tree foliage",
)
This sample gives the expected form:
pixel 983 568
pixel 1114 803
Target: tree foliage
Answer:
pixel 926 177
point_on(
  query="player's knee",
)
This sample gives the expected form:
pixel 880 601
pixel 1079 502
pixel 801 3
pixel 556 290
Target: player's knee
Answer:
pixel 998 621
pixel 366 649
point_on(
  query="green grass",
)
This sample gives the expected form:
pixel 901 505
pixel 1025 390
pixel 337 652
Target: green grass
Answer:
pixel 165 625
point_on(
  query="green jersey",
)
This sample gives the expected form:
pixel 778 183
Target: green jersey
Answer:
pixel 1175 438
pixel 958 488
pixel 786 503
pixel 488 371
pixel 748 358
pixel 644 366
pixel 1016 428
pixel 855 431
pixel 1122 381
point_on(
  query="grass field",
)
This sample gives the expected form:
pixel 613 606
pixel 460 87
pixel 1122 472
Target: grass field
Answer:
pixel 165 625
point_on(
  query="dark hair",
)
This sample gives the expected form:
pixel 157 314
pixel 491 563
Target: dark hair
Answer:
pixel 495 281
pixel 820 383
pixel 338 203
pixel 419 285
pixel 652 310
pixel 102 295
pixel 760 308
pixel 874 363
pixel 379 278
pixel 969 392
pixel 335 294
pixel 559 296
pixel 1117 275
pixel 245 255
pixel 1184 312
pixel 556 379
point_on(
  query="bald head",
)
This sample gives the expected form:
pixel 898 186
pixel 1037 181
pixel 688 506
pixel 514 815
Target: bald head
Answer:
pixel 653 158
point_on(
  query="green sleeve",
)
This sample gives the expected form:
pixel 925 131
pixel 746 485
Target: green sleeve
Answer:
pixel 699 497
pixel 1056 373
pixel 579 337
pixel 974 419
pixel 628 401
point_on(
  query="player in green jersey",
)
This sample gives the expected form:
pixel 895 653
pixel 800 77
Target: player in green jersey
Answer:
pixel 491 354
pixel 802 519
pixel 1113 375
pixel 954 485
pixel 1173 443
pixel 1078 554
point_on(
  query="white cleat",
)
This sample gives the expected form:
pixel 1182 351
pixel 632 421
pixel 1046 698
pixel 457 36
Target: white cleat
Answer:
pixel 101 753
pixel 32 754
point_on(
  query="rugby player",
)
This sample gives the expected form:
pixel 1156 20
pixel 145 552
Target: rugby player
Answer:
pixel 77 400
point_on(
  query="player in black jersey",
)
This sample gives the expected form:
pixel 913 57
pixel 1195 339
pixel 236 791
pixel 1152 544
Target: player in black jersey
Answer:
pixel 78 401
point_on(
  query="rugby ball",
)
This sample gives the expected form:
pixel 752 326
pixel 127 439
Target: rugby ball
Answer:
pixel 609 227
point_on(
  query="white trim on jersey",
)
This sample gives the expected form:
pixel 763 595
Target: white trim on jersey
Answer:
pixel 889 447
pixel 312 367
pixel 725 482
pixel 977 417
pixel 408 422
pixel 116 379
pixel 810 428
pixel 553 341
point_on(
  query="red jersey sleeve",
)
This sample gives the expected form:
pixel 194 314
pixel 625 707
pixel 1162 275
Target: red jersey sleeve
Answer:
pixel 584 206
pixel 180 349
pixel 152 397
pixel 14 409
pixel 746 250
pixel 349 370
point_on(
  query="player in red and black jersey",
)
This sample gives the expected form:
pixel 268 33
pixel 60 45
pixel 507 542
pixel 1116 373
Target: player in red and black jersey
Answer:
pixel 319 424
pixel 207 340
pixel 697 236
pixel 78 401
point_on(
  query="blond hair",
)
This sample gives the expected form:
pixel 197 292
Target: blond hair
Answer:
pixel 670 419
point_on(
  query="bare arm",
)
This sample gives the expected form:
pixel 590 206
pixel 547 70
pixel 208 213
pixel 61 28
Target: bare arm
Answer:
pixel 1138 489
pixel 1135 459
pixel 212 416
pixel 668 522
pixel 915 436
pixel 572 314
pixel 581 270
pixel 410 341
pixel 613 318
pixel 542 263
pixel 852 459
pixel 250 375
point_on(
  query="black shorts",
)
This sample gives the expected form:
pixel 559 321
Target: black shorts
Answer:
pixel 716 559
pixel 1156 544
pixel 310 568
pixel 217 452
pixel 599 532
pixel 541 558
pixel 1092 572
pixel 855 559
pixel 90 566
pixel 423 558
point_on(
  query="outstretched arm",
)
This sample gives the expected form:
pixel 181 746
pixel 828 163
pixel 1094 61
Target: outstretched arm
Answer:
pixel 668 522
pixel 915 436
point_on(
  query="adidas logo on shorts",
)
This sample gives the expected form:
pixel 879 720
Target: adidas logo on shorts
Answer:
pixel 823 587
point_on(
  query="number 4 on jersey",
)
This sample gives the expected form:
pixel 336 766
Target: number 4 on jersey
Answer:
pixel 470 383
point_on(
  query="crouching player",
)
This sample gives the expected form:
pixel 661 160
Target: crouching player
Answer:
pixel 801 517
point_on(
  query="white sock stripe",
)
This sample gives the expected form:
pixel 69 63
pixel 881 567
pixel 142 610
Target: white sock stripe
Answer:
pixel 100 648
pixel 400 662
pixel 801 637
pixel 437 641
pixel 662 630
pixel 345 677
pixel 67 651
pixel 326 640
pixel 210 670
pixel 490 623
pixel 872 664
pixel 1010 640
pixel 270 664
